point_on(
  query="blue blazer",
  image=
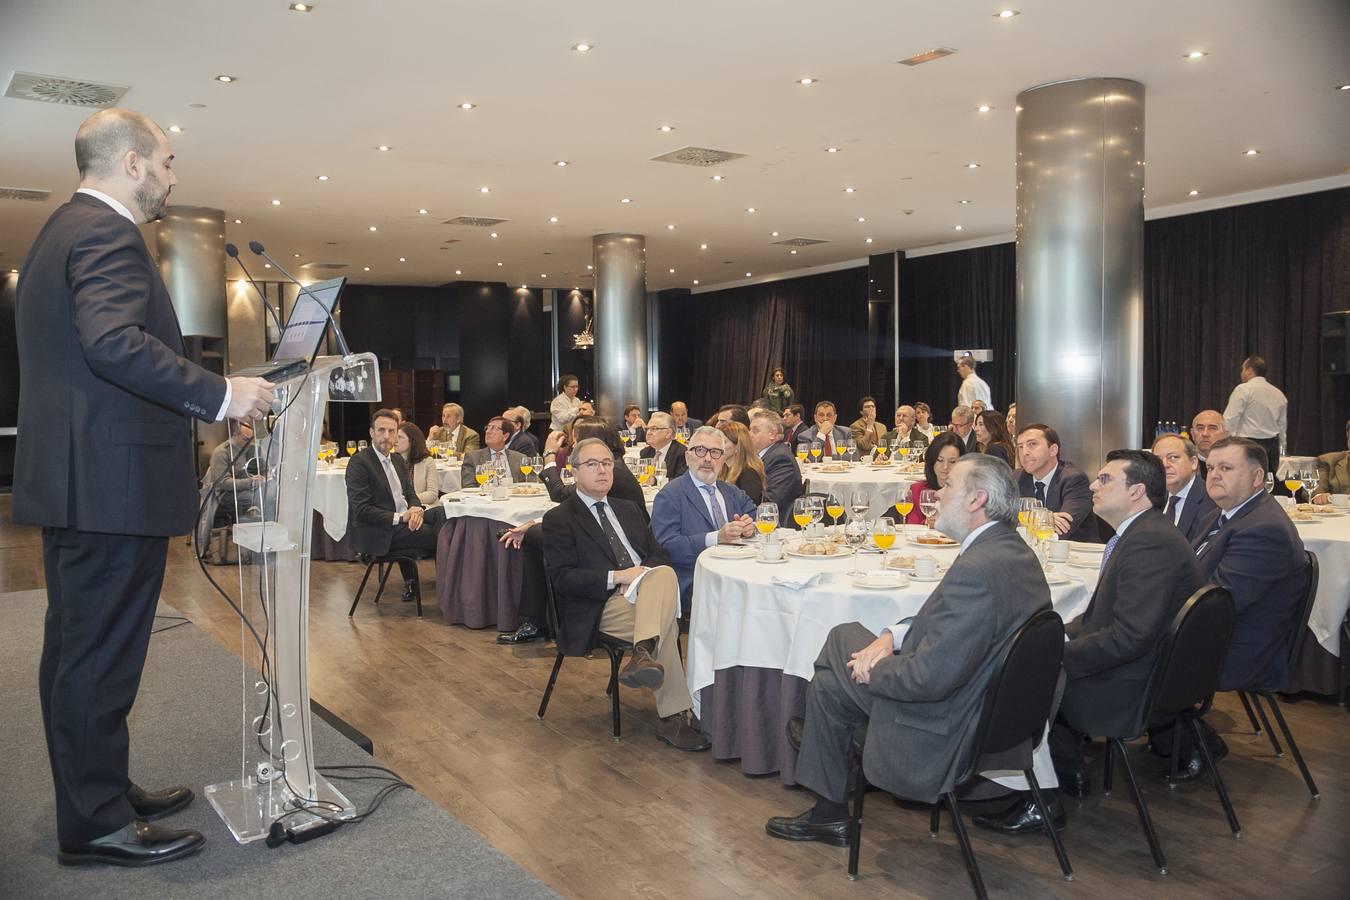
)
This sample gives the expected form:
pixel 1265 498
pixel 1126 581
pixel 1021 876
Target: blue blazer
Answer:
pixel 681 523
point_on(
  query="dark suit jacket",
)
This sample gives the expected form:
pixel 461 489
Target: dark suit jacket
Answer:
pixel 1333 473
pixel 691 423
pixel 783 479
pixel 370 505
pixel 524 443
pixel 680 522
pixel 105 395
pixel 579 559
pixel 1067 492
pixel 625 487
pixel 972 443
pixel 793 436
pixel 475 458
pixel 752 485
pixel 1259 556
pixel 1195 510
pixel 927 697
pixel 675 462
pixel 1113 644
pixel 912 435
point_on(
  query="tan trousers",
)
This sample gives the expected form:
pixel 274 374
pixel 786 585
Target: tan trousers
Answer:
pixel 653 616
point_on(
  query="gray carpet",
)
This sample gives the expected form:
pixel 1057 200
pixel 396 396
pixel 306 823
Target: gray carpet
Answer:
pixel 185 730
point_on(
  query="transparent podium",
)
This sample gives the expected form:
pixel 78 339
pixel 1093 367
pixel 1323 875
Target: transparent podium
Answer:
pixel 277 780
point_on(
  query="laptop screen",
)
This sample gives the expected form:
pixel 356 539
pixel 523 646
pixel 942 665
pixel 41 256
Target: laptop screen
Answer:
pixel 305 328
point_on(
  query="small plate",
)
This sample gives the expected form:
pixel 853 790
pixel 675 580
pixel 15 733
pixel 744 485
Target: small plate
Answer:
pixel 933 579
pixel 1084 563
pixel 727 551
pixel 771 562
pixel 842 554
pixel 1083 547
pixel 880 581
pixel 914 542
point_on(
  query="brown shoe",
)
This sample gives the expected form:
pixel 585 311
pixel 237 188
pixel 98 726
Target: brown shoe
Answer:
pixel 642 671
pixel 677 732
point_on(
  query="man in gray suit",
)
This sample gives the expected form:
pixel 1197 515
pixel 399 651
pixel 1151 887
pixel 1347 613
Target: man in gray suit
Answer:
pixel 495 436
pixel 921 688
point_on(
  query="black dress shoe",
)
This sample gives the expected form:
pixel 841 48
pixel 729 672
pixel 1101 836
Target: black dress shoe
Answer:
pixel 795 726
pixel 801 828
pixel 1023 817
pixel 1075 783
pixel 137 844
pixel 1192 764
pixel 522 635
pixel 152 805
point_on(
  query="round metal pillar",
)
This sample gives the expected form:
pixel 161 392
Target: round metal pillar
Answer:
pixel 1080 263
pixel 190 244
pixel 620 323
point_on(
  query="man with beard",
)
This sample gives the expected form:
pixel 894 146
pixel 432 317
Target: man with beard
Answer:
pixel 104 466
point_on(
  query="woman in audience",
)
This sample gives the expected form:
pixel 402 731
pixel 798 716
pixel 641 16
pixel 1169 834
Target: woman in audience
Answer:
pixel 778 394
pixel 412 446
pixel 565 406
pixel 938 460
pixel 741 465
pixel 923 415
pixel 992 434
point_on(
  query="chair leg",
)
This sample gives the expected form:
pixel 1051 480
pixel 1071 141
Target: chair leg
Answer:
pixel 1270 732
pixel 1049 826
pixel 548 691
pixel 615 664
pixel 935 820
pixel 855 817
pixel 385 571
pixel 1251 716
pixel 1218 779
pixel 417 593
pixel 360 590
pixel 614 659
pixel 1141 806
pixel 1174 761
pixel 1107 768
pixel 972 867
pixel 1293 747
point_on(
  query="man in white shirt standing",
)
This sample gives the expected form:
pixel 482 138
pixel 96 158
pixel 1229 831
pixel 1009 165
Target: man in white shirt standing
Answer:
pixel 973 386
pixel 1259 411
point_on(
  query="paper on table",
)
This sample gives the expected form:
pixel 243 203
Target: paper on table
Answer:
pixel 800 583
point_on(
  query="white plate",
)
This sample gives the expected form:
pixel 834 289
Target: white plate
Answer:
pixel 1084 563
pixel 914 542
pixel 726 551
pixel 1305 523
pixel 842 554
pixel 929 580
pixel 1057 578
pixel 882 581
pixel 770 562
pixel 1081 547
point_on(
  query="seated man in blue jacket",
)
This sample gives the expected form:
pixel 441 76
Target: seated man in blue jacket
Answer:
pixel 695 511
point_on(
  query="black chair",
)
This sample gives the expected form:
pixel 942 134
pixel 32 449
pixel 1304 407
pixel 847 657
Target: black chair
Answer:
pixel 1343 686
pixel 613 647
pixel 1256 696
pixel 1180 690
pixel 387 563
pixel 1016 709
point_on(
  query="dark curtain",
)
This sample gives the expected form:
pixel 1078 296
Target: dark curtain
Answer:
pixel 952 301
pixel 1247 280
pixel 720 347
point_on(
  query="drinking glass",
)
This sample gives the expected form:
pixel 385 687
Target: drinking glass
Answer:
pixel 1043 529
pixel 859 502
pixel 928 504
pixel 855 533
pixel 351 448
pixel 361 445
pixel 527 466
pixel 483 473
pixel 851 447
pixel 835 507
pixel 840 449
pixel 816 449
pixel 883 535
pixel 1310 479
pixel 567 475
pixel 1293 479
pixel 766 519
pixel 904 505
pixel 817 507
pixel 903 447
pixel 802 450
pixel 1270 482
pixel 682 434
pixel 1027 506
pixel 801 511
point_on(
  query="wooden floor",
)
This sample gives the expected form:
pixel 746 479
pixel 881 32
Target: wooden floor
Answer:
pixel 454 714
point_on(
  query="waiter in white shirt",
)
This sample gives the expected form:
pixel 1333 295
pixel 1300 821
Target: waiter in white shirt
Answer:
pixel 1259 411
pixel 973 386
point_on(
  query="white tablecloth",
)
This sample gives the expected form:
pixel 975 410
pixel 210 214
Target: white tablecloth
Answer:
pixel 883 484
pixel 513 510
pixel 330 494
pixel 1330 540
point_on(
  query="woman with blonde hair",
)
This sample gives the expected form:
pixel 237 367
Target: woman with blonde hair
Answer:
pixel 742 466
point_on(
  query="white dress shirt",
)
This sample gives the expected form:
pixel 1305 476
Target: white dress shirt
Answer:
pixel 395 486
pixel 1181 496
pixel 973 388
pixel 1049 477
pixel 899 629
pixel 618 529
pixel 717 498
pixel 120 208
pixel 1257 409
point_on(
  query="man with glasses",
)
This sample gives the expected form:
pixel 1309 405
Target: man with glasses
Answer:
pixel 666 455
pixel 505 461
pixel 599 549
pixel 696 510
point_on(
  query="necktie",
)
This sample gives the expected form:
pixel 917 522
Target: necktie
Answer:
pixel 620 553
pixel 718 519
pixel 1172 503
pixel 1218 524
pixel 395 486
pixel 1110 546
pixel 499 463
pixel 1040 491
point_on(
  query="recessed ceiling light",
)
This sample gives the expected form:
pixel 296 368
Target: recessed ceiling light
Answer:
pixel 972 165
pixel 695 280
pixel 583 48
pixel 1196 54
pixel 703 246
pixel 560 163
pixel 750 209
pixel 868 241
pixel 672 271
pixel 670 228
pixel 321 178
pixel 747 274
pixel 553 219
pixel 983 107
pixel 458 272
pixel 717 178
pixel 626 200
pixel 666 128
pixel 403 259
pixel 366 268
pixel 773 234
pixel 384 148
pixel 542 275
pixel 176 129
pixel 493 234
pixel 302 7
pixel 807 82
pixel 296 255
pixel 589 266
pixel 1193 193
pixel 276 202
pixel 499 264
pixel 958 228
pixel 1344 87
pixel 239 221
pixel 226 79
pixel 793 252
pixel 467 105
pixel 964 202
pixel 267 265
pixel 850 190
pixel 831 149
pixel 421 212
pixel 1006 13
pixel 862 219
pixel 373 228
pixel 1252 152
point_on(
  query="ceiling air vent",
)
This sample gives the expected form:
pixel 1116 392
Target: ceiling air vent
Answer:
pixel 697 156
pixel 65 91
pixel 10 193
pixel 919 59
pixel 800 242
pixel 328 266
pixel 475 221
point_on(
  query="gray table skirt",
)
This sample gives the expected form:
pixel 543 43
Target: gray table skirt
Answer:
pixel 745 712
pixel 477 579
pixel 1315 670
pixel 323 547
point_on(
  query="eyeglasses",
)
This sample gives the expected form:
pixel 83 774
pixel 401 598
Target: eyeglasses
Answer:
pixel 592 465
pixel 713 453
pixel 651 428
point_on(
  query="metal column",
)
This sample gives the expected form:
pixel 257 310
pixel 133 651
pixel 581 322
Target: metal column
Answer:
pixel 620 322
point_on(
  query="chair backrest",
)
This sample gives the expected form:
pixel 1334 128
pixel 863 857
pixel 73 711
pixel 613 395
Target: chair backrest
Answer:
pixel 1190 661
pixel 1022 687
pixel 1309 598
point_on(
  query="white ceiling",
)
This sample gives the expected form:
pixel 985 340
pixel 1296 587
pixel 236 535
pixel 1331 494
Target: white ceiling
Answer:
pixel 317 92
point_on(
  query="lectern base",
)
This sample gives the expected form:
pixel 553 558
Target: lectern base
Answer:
pixel 249 807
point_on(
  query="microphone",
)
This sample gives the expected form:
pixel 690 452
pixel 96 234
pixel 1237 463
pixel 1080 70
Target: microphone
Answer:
pixel 337 332
pixel 233 253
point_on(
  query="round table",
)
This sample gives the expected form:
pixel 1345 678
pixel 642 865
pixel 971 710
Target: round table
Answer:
pixel 883 484
pixel 1318 665
pixel 329 500
pixel 756 630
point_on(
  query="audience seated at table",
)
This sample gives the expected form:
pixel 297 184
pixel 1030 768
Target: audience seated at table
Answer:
pixel 565 406
pixel 632 420
pixel 1188 503
pixel 938 459
pixel 906 428
pixel 867 432
pixel 730 412
pixel 383 513
pixel 453 431
pixel 625 486
pixel 235 494
pixel 991 433
pixel 741 465
pixel 920 688
pixel 520 439
pixel 1333 472
pixel 596 546
pixel 1148 572
pixel 1207 428
pixel 794 423
pixel 782 476
pixel 963 425
pixel 696 510
pixel 507 462
pixel 679 412
pixel 422 471
pixel 662 446
pixel 1059 484
pixel 825 430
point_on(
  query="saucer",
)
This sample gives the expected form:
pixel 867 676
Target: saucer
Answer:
pixel 933 579
pixel 877 582
pixel 771 562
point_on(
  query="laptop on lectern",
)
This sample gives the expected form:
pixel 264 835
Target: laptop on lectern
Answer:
pixel 303 334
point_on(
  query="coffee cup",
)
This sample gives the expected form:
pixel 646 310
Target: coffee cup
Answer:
pixel 771 550
pixel 1059 551
pixel 1286 502
pixel 500 492
pixel 925 566
pixel 1340 501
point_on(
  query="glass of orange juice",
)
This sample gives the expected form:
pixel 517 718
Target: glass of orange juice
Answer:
pixel 883 535
pixel 801 511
